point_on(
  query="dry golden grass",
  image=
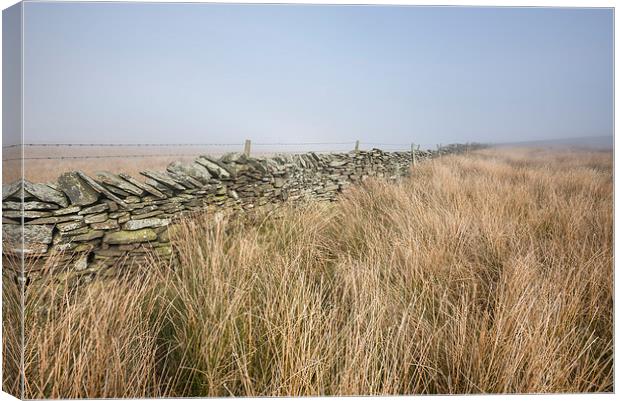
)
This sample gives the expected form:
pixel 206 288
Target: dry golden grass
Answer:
pixel 489 272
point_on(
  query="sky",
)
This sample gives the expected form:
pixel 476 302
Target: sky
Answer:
pixel 209 73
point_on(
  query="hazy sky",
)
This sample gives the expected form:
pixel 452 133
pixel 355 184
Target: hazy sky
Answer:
pixel 222 73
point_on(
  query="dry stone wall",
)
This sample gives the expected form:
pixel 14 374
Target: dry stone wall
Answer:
pixel 85 224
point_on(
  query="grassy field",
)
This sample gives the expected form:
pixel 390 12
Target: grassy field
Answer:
pixel 489 272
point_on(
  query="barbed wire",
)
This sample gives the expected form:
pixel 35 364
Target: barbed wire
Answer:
pixel 171 144
pixel 98 157
pixel 120 145
pixel 124 156
pixel 385 144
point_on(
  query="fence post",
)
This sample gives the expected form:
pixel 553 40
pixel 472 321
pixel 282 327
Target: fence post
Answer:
pixel 246 148
pixel 413 154
pixel 357 146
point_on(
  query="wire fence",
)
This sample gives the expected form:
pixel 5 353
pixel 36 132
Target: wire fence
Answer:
pixel 100 157
pixel 174 144
pixel 353 145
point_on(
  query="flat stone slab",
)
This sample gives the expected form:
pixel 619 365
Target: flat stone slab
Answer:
pixel 11 189
pixel 77 189
pixel 95 218
pixel 46 193
pixel 111 179
pixel 337 163
pixel 148 188
pixel 130 237
pixel 70 225
pixel 94 209
pixel 32 205
pixel 67 210
pixel 55 219
pixel 109 224
pixel 99 188
pixel 185 180
pixel 91 235
pixel 193 170
pixel 28 249
pixel 28 214
pixel 162 178
pixel 214 167
pixel 145 223
pixel 234 157
pixel 35 234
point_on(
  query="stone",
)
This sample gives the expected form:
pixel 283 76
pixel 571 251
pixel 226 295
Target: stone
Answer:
pixel 129 237
pixel 116 215
pixel 94 209
pixel 77 189
pixel 184 180
pixel 27 249
pixel 81 262
pixel 106 225
pixel 159 186
pixel 164 236
pixel 46 193
pixel 91 235
pixel 278 182
pixel 27 214
pixel 69 236
pixel 33 205
pixel 164 250
pixel 112 206
pixel 55 219
pixel 85 246
pixel 214 167
pixel 145 223
pixel 337 163
pixel 95 218
pixel 193 170
pixel 12 189
pixel 234 157
pixel 162 178
pixel 66 210
pixel 71 225
pixel 145 215
pixel 36 234
pixel 97 187
pixel 145 209
pixel 116 181
pixel 116 191
pixel 109 253
pixel 148 188
pixel 64 247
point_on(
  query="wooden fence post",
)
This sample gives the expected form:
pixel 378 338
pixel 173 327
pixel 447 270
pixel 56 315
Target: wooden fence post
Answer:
pixel 246 148
pixel 413 161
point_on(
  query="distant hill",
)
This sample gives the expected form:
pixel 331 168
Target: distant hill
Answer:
pixel 591 142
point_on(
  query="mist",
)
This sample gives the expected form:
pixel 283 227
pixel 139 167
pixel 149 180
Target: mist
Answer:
pixel 222 73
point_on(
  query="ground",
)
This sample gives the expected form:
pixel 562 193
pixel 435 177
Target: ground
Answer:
pixel 488 272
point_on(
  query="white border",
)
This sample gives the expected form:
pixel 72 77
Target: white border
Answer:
pixel 479 3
